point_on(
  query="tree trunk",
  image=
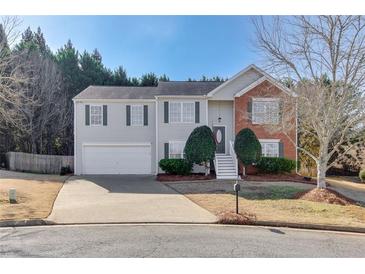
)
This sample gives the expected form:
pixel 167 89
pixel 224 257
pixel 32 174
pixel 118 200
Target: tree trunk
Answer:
pixel 321 174
pixel 243 171
pixel 207 168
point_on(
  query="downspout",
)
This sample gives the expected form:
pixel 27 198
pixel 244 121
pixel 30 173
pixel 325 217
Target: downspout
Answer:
pixel 296 137
pixel 75 139
pixel 156 141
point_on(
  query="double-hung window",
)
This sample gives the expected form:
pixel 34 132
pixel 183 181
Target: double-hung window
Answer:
pixel 137 115
pixel 265 111
pixel 96 115
pixel 176 149
pixel 269 148
pixel 182 112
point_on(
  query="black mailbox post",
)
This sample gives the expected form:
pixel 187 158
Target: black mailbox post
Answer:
pixel 237 188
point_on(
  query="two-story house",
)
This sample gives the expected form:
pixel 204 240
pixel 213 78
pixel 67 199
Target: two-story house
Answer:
pixel 128 130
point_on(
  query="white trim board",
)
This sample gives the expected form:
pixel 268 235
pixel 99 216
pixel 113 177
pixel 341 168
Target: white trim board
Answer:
pixel 269 140
pixel 100 101
pixel 237 75
pixel 245 70
pixel 260 81
pixel 116 144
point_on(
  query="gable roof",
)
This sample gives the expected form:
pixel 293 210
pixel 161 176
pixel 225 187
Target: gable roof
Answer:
pixel 186 87
pixel 261 80
pixel 112 92
pixel 172 88
pixel 244 71
pixel 176 88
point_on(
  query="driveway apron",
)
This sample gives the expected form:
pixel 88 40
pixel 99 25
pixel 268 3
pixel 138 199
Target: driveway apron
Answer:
pixel 123 199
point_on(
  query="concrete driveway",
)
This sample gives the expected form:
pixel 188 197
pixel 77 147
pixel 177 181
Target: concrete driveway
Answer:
pixel 123 199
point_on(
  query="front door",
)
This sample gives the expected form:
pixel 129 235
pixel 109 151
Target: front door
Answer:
pixel 219 133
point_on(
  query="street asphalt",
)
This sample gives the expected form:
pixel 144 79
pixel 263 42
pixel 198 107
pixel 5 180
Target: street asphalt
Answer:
pixel 176 241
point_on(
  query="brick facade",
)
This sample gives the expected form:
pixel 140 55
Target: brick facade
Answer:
pixel 242 120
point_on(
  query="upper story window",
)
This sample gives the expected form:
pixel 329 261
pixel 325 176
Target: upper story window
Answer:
pixel 176 149
pixel 96 115
pixel 265 111
pixel 269 148
pixel 137 115
pixel 182 112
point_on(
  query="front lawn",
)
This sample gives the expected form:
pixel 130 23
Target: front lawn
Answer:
pixel 272 202
pixel 35 195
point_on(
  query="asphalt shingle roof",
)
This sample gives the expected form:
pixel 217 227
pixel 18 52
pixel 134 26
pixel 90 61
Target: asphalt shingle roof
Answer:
pixel 164 88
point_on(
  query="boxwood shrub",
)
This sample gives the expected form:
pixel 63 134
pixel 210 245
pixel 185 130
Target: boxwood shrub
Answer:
pixel 275 165
pixel 176 166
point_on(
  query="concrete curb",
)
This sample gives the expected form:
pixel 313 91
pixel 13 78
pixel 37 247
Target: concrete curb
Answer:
pixel 29 222
pixel 42 222
pixel 311 226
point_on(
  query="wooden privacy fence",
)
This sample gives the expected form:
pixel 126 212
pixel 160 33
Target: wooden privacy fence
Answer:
pixel 38 163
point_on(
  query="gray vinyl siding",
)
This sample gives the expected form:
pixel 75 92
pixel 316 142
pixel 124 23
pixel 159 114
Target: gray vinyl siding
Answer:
pixel 177 132
pixel 116 130
pixel 223 109
pixel 227 92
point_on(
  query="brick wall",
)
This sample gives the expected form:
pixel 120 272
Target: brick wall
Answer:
pixel 265 89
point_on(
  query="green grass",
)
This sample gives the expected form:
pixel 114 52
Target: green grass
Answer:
pixel 270 192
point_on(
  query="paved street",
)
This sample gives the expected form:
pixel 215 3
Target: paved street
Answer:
pixel 176 241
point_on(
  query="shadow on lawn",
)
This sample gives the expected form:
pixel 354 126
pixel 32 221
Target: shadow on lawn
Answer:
pixel 270 192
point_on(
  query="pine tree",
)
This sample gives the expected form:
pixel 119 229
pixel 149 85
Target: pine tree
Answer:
pixel 149 79
pixel 164 78
pixel 120 77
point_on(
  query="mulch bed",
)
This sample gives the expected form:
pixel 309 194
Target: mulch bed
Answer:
pixel 236 219
pixel 325 196
pixel 279 177
pixel 177 178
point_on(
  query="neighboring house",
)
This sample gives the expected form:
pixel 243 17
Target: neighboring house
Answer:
pixel 128 130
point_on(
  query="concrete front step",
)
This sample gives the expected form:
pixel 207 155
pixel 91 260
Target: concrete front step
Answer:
pixel 225 168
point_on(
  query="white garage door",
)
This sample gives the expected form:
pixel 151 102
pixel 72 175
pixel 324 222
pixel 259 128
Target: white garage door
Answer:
pixel 117 159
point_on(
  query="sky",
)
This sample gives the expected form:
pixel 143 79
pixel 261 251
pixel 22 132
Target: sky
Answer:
pixel 179 46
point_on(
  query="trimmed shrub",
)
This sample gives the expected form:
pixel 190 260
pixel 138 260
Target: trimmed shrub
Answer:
pixel 200 146
pixel 176 166
pixel 247 147
pixel 362 175
pixel 65 170
pixel 275 165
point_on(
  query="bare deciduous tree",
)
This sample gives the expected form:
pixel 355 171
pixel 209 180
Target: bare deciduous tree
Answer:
pixel 47 118
pixel 11 76
pixel 324 59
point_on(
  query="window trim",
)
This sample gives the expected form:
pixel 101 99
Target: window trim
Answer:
pixel 264 99
pixel 181 154
pixel 136 125
pixel 270 141
pixel 101 114
pixel 181 112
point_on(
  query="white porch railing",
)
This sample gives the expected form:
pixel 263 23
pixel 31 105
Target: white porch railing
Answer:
pixel 234 156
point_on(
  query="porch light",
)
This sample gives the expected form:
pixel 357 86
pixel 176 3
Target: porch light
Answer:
pixel 219 119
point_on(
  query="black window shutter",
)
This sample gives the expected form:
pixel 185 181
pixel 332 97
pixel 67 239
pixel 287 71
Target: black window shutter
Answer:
pixel 249 109
pixel 145 115
pixel 197 112
pixel 166 150
pixel 281 150
pixel 166 111
pixel 87 115
pixel 128 115
pixel 105 115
